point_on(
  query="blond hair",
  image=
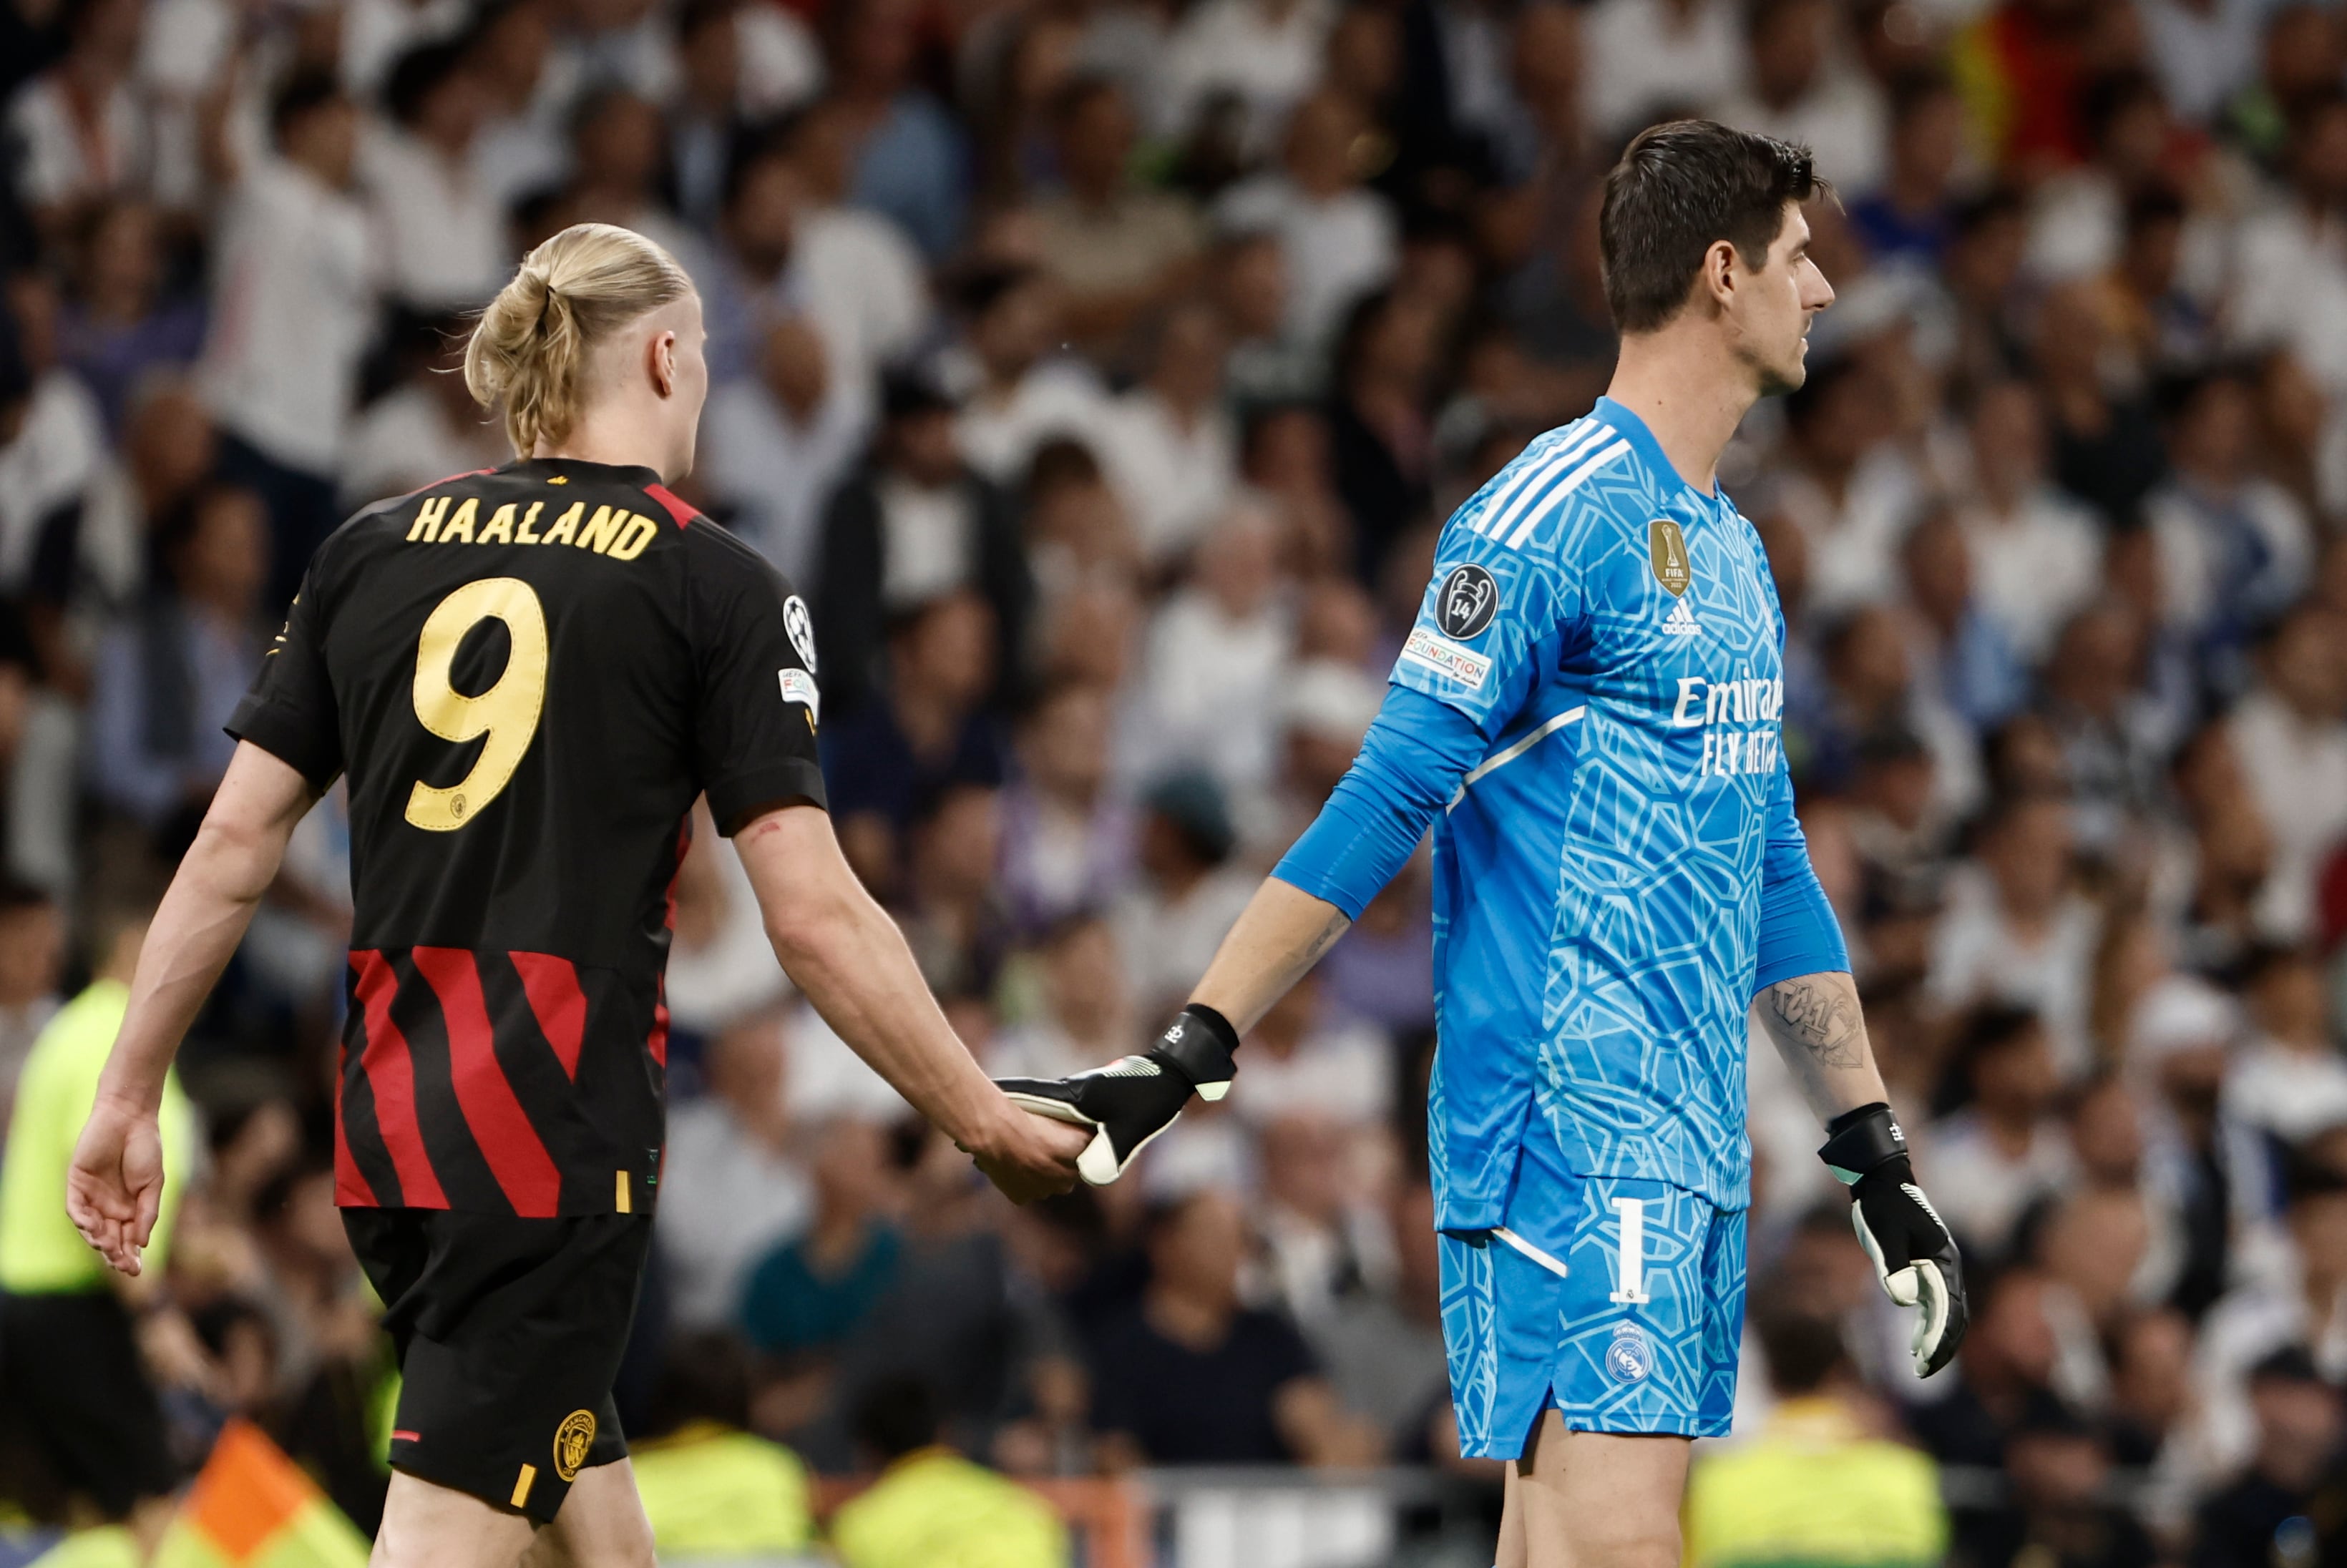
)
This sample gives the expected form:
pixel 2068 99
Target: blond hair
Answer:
pixel 529 348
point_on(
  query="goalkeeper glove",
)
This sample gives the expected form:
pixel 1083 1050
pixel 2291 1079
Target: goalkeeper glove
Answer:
pixel 1134 1098
pixel 1914 1256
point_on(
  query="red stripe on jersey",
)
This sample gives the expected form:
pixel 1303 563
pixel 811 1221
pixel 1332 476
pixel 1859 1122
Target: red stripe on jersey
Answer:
pixel 469 473
pixel 391 1074
pixel 657 1041
pixel 499 1125
pixel 351 1189
pixel 677 506
pixel 552 985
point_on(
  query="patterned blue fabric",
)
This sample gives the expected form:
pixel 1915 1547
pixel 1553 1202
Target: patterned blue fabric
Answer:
pixel 1599 875
pixel 1660 1358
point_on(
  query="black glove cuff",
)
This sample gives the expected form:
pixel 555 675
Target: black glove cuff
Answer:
pixel 1861 1141
pixel 1200 1042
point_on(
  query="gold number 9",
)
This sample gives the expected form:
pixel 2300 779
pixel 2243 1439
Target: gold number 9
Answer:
pixel 507 713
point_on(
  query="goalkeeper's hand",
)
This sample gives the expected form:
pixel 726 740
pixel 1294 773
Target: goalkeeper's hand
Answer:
pixel 1914 1256
pixel 1134 1098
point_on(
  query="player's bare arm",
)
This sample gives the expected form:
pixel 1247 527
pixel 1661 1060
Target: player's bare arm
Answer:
pixel 841 949
pixel 1816 1024
pixel 1819 1031
pixel 115 1186
pixel 1280 935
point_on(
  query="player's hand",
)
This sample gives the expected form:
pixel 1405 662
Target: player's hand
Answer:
pixel 1029 1158
pixel 114 1188
pixel 1913 1255
pixel 1132 1099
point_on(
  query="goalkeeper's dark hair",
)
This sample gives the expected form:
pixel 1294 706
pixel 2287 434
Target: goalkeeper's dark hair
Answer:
pixel 1680 188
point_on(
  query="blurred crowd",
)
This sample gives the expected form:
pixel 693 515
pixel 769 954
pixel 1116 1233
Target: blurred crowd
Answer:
pixel 1103 369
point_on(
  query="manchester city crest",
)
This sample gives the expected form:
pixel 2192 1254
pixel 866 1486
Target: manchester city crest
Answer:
pixel 1629 1357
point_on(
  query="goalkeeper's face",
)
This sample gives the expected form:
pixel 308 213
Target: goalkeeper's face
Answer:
pixel 1772 306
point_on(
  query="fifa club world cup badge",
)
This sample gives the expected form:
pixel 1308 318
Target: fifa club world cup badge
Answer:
pixel 1669 549
pixel 1629 1357
pixel 1466 604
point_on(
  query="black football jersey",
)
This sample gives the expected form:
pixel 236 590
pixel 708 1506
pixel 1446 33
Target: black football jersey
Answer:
pixel 527 675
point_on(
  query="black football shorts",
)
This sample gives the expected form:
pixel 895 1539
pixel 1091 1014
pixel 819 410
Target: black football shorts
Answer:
pixel 510 1333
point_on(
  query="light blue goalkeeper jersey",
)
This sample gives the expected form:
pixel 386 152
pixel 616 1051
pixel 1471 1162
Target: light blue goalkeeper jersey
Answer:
pixel 1615 635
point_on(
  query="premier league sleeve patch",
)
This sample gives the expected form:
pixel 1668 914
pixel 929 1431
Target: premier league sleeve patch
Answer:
pixel 1466 602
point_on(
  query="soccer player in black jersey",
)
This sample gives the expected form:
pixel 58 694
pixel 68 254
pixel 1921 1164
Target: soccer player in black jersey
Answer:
pixel 526 675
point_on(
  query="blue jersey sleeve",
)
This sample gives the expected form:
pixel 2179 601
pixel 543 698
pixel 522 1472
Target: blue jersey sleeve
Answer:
pixel 1799 932
pixel 1410 763
pixel 1491 619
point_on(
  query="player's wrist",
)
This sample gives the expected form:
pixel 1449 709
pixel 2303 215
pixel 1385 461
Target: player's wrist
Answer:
pixel 1865 1140
pixel 1201 1046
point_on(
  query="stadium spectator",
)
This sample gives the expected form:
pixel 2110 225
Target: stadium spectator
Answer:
pixel 1192 1377
pixel 931 1505
pixel 1814 1486
pixel 733 1166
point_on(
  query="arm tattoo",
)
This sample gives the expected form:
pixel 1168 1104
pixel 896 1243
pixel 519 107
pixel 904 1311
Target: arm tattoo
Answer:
pixel 1317 946
pixel 1821 1018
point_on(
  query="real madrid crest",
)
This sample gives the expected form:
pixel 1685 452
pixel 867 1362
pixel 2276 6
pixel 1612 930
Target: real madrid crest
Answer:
pixel 1668 548
pixel 1629 1357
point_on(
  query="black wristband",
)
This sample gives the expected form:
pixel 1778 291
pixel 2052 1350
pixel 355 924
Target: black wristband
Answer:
pixel 1201 1042
pixel 1861 1141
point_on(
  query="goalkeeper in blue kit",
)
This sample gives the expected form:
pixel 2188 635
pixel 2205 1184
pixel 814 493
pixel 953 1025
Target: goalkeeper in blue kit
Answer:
pixel 1586 714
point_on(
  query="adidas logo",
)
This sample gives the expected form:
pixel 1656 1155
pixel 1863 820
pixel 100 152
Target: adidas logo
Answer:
pixel 1680 622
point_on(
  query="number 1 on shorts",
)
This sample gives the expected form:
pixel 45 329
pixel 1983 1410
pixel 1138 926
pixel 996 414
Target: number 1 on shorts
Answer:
pixel 1633 1244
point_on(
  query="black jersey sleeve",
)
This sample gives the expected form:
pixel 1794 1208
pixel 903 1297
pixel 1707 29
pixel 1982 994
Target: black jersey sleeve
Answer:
pixel 754 676
pixel 289 711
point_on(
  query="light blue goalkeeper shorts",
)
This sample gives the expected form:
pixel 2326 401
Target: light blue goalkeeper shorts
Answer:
pixel 1617 1300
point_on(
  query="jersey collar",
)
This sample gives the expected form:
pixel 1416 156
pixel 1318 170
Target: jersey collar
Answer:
pixel 629 475
pixel 1650 451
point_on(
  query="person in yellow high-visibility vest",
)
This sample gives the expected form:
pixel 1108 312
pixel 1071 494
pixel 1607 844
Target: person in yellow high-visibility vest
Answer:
pixel 711 1487
pixel 71 1372
pixel 932 1508
pixel 1815 1487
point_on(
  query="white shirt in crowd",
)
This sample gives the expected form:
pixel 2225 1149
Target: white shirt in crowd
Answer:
pixel 1336 248
pixel 727 1199
pixel 2290 1094
pixel 1167 943
pixel 2298 770
pixel 56 163
pixel 440 229
pixel 1643 56
pixel 860 280
pixel 1853 547
pixel 2203 54
pixel 2033 568
pixel 1976 957
pixel 58 452
pixel 404 441
pixel 1841 119
pixel 376 33
pixel 293 306
pixel 1173 481
pixel 1266 52
pixel 1982 1190
pixel 1211 688
pixel 2289 289
pixel 777 473
pixel 2189 533
pixel 1341 1071
pixel 999 437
